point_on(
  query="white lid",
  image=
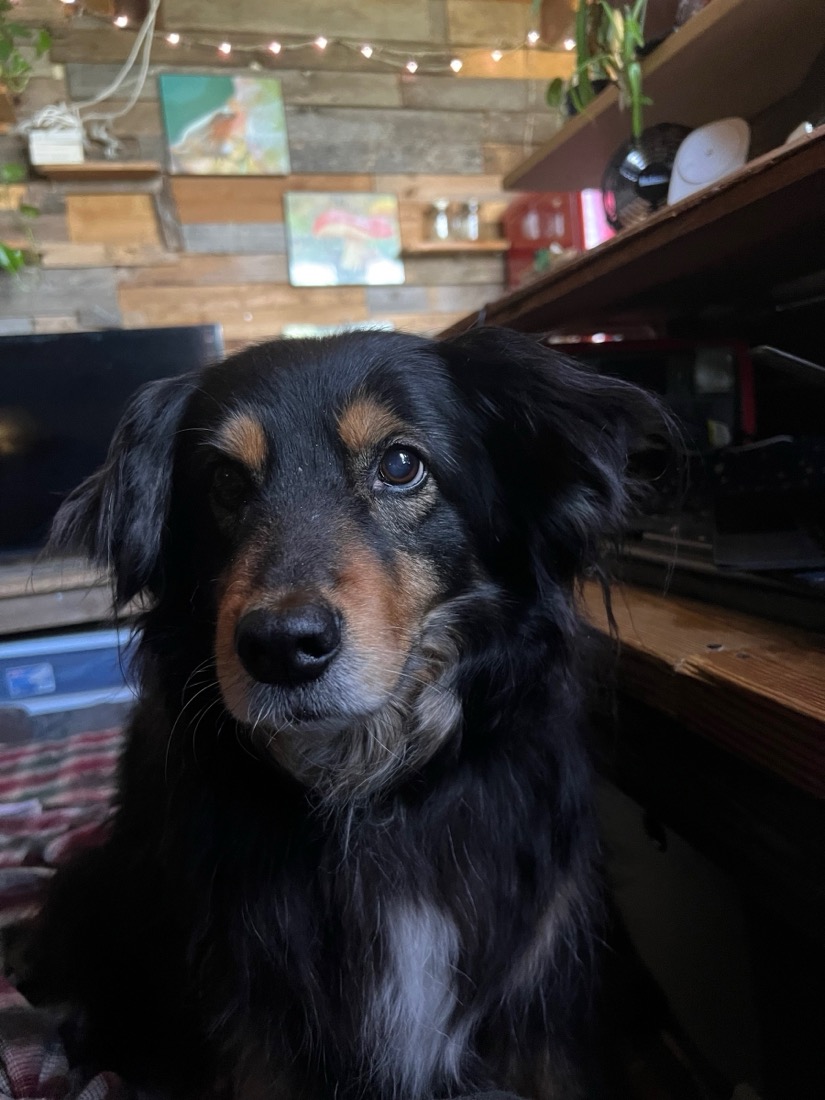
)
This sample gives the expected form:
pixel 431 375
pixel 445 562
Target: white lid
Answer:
pixel 708 154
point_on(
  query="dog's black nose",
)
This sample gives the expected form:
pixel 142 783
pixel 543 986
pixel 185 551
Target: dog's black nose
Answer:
pixel 291 645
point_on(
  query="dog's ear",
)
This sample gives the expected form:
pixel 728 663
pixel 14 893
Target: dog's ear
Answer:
pixel 116 517
pixel 558 437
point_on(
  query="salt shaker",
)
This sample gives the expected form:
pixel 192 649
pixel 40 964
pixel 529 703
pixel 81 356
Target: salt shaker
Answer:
pixel 440 220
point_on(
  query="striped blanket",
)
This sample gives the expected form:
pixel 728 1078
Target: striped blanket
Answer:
pixel 55 797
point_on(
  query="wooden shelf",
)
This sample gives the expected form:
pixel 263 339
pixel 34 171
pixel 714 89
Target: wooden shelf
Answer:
pixel 93 170
pixel 753 687
pixel 735 57
pixel 451 248
pixel 728 243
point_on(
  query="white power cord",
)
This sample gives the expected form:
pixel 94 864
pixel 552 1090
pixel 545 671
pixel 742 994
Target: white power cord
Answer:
pixel 95 125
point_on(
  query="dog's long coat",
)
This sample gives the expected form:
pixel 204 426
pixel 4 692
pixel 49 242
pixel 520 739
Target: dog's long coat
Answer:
pixel 354 855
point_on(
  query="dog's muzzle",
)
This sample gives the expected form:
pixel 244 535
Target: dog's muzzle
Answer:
pixel 290 645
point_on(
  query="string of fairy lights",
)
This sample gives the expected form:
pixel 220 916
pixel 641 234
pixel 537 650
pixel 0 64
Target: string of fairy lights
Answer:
pixel 412 60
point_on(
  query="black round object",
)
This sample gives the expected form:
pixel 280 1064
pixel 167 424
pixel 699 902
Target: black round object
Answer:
pixel 636 180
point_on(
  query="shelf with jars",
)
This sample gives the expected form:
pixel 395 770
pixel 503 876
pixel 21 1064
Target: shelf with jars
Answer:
pixel 450 227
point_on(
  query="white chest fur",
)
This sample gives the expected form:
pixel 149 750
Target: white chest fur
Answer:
pixel 411 1035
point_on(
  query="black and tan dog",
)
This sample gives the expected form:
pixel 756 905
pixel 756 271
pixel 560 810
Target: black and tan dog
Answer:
pixel 354 854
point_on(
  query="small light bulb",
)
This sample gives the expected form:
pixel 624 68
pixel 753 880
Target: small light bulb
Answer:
pixel 496 55
pixel 412 66
pixel 274 47
pixel 569 43
pixel 321 42
pixel 122 21
pixel 67 1
pixel 225 48
pixel 173 38
pixel 533 37
pixel 367 51
pixel 456 64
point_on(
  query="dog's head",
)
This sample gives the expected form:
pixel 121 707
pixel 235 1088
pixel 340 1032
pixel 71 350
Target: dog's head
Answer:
pixel 338 522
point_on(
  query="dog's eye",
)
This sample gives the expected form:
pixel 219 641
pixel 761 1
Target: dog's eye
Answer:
pixel 229 487
pixel 401 466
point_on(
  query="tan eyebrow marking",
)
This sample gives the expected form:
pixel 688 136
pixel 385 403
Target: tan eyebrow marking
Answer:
pixel 244 438
pixel 365 423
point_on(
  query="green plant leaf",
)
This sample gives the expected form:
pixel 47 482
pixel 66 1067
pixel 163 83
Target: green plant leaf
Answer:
pixel 6 47
pixel 42 42
pixel 555 93
pixel 27 210
pixel 17 30
pixel 12 173
pixel 11 259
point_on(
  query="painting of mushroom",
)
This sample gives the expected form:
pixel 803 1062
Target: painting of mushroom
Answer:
pixel 222 125
pixel 343 239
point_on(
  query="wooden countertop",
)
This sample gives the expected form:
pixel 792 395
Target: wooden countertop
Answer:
pixel 48 595
pixel 752 686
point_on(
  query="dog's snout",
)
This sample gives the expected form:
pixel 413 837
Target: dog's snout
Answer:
pixel 290 645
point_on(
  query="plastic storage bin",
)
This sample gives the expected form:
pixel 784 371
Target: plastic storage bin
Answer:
pixel 68 671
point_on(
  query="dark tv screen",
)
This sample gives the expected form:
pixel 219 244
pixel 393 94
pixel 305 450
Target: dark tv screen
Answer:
pixel 61 397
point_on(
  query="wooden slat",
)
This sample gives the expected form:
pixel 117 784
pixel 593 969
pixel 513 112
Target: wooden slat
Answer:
pixel 756 688
pixel 253 199
pixel 391 20
pixel 105 255
pixel 524 64
pixel 206 269
pixel 112 219
pixel 92 171
pixel 423 324
pixel 252 310
pixel 423 188
pixel 454 248
pixel 11 195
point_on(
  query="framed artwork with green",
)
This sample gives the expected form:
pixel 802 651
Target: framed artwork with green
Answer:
pixel 224 125
pixel 343 239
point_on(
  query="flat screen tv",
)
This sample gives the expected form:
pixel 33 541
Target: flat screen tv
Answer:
pixel 61 397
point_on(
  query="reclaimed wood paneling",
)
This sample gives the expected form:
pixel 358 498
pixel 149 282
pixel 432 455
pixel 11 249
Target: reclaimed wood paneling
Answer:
pixel 210 199
pixel 503 127
pixel 44 293
pixel 340 89
pixel 428 188
pixel 452 299
pixel 424 324
pixel 527 64
pixel 238 237
pixel 250 309
pixel 484 22
pixel 104 255
pixel 211 270
pixel 112 219
pixel 502 159
pixel 389 20
pixel 354 140
pixel 397 299
pixel 445 93
pixel 465 270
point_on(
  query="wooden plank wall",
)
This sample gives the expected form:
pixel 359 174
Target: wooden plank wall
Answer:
pixel 186 249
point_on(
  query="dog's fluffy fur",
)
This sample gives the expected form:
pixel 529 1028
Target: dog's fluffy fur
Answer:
pixel 380 884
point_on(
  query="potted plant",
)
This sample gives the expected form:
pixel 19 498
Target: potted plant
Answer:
pixel 15 73
pixel 608 43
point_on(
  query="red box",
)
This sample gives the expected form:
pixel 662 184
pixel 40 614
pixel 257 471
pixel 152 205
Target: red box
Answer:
pixel 538 219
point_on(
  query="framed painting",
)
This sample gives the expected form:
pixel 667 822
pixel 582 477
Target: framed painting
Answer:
pixel 224 125
pixel 343 239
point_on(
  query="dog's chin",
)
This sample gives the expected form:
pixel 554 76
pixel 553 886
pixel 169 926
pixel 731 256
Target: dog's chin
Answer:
pixel 341 751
